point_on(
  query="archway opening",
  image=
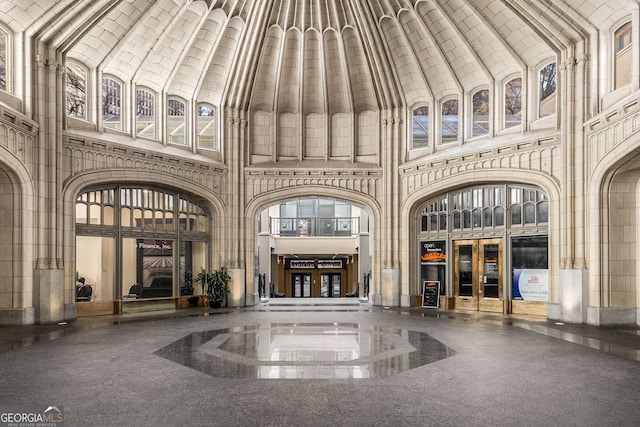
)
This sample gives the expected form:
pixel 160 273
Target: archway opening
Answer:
pixel 313 247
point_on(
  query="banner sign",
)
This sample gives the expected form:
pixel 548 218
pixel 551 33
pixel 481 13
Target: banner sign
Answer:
pixel 312 264
pixel 330 263
pixel 531 284
pixel 433 253
pixel 304 264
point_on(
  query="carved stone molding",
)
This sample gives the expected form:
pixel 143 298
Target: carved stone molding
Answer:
pixel 539 155
pixel 366 182
pixel 18 135
pixel 610 129
pixel 86 154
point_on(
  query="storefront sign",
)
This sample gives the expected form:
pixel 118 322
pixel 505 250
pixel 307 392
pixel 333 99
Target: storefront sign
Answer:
pixel 431 294
pixel 531 284
pixel 433 253
pixel 330 263
pixel 312 264
pixel 433 263
pixel 305 264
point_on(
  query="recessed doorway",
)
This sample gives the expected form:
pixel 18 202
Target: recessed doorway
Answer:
pixel 478 274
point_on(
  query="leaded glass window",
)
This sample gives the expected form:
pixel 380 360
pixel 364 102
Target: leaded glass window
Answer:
pixel 4 56
pixel 484 208
pixel 449 122
pixel 420 136
pixel 480 104
pixel 145 114
pixel 111 104
pixel 623 56
pixel 176 122
pixel 513 103
pixel 547 88
pixel 206 123
pixel 76 86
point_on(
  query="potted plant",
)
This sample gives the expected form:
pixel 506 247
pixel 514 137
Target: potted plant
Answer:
pixel 215 284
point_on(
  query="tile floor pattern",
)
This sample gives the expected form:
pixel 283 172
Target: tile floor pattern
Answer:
pixel 343 364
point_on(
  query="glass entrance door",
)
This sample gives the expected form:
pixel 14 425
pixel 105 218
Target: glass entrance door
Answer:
pixel 330 285
pixel 478 274
pixel 301 285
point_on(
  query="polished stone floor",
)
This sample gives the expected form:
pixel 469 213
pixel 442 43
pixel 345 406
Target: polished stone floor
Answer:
pixel 324 363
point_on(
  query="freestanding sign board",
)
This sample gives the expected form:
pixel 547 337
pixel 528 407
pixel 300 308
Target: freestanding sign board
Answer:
pixel 431 294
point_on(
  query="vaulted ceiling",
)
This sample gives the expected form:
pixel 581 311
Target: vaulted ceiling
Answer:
pixel 313 56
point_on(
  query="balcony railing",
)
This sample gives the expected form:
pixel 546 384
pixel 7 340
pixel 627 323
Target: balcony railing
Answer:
pixel 312 226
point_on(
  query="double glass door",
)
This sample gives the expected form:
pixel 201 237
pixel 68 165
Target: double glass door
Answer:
pixel 478 274
pixel 330 285
pixel 301 285
pixel 316 284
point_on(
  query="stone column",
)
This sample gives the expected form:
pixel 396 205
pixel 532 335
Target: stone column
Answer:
pixel 49 300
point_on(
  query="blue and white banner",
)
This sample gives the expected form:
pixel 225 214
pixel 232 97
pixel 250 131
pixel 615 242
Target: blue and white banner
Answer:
pixel 531 284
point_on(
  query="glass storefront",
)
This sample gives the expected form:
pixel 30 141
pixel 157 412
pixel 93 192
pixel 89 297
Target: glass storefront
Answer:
pixel 473 224
pixel 137 242
pixel 530 268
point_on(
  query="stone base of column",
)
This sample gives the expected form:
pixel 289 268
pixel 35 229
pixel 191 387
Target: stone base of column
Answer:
pixel 573 295
pixel 17 316
pixel 407 300
pixel 49 295
pixel 252 299
pixel 598 316
pixel 390 287
pixel 70 311
pixel 238 292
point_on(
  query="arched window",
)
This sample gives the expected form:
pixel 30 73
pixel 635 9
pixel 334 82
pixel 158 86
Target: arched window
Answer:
pixel 176 122
pixel 206 127
pixel 4 60
pixel 547 88
pixel 449 121
pixel 513 103
pixel 111 104
pixel 480 105
pixel 76 90
pixel 623 61
pixel 483 208
pixel 420 135
pixel 528 207
pixel 145 114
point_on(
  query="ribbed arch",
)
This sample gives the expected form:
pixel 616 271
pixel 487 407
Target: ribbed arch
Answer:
pixel 362 89
pixel 486 44
pixel 213 86
pixel 186 79
pixel 427 55
pixel 520 37
pixel 337 84
pixel 289 85
pixel 313 95
pixel 155 71
pixel 408 72
pixel 145 35
pixel 469 71
pixel 266 78
pixel 103 38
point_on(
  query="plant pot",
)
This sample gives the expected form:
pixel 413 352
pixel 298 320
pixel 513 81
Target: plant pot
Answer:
pixel 215 304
